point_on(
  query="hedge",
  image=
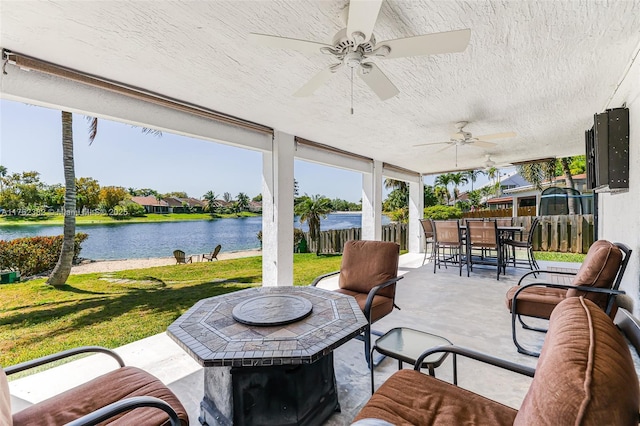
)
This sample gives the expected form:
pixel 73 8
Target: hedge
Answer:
pixel 442 212
pixel 34 255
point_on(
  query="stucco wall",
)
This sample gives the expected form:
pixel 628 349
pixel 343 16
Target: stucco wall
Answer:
pixel 620 213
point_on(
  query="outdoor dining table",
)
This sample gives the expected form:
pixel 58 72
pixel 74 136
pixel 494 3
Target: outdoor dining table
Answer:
pixel 267 353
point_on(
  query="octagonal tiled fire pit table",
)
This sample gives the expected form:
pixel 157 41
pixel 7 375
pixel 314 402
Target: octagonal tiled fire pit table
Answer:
pixel 268 353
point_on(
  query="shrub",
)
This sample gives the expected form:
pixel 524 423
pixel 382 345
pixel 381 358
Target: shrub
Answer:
pixel 133 209
pixel 34 255
pixel 442 212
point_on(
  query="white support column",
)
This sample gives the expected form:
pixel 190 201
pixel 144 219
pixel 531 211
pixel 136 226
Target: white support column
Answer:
pixel 277 212
pixel 538 198
pixel 514 210
pixel 415 235
pixel 372 203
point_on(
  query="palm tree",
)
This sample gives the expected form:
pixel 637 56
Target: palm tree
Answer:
pixel 63 267
pixel 243 201
pixel 311 210
pixel 212 204
pixel 472 175
pixel 226 197
pixel 3 173
pixel 444 180
pixel 457 179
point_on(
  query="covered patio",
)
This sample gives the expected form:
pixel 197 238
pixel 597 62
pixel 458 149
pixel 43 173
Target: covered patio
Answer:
pixel 468 311
pixel 539 69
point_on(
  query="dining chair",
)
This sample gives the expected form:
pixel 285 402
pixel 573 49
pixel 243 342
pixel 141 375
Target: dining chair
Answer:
pixel 448 244
pixel 427 228
pixel 482 240
pixel 527 246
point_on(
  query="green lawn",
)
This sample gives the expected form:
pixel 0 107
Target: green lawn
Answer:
pixel 56 219
pixel 121 307
pixel 559 257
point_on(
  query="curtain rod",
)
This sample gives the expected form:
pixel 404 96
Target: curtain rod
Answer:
pixel 30 63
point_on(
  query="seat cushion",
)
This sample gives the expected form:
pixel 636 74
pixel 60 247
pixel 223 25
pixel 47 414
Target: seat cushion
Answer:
pixel 409 397
pixel 599 269
pixel 585 374
pixel 111 387
pixel 536 301
pixel 380 306
pixel 366 264
pixel 5 400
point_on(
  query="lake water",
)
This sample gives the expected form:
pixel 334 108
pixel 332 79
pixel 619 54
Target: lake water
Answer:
pixel 142 240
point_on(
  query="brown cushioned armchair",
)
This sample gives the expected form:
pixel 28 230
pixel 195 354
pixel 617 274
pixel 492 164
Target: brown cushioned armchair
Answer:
pixel 598 279
pixel 585 376
pixel 369 272
pixel 125 396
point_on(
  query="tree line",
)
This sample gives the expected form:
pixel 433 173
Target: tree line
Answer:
pixel 446 188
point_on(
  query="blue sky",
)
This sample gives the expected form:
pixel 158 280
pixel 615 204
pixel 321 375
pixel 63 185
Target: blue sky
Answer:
pixel 30 139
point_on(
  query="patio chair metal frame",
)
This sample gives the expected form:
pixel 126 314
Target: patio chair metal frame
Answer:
pixel 109 410
pixel 213 255
pixel 527 245
pixel 611 293
pixel 367 311
pixel 429 238
pixel 484 236
pixel 442 243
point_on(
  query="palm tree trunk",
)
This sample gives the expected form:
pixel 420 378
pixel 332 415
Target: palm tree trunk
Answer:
pixel 63 267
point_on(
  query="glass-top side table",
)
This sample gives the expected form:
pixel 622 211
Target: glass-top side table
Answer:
pixel 407 344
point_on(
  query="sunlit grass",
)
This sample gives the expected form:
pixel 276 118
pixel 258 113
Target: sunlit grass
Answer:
pixel 552 256
pixel 92 219
pixel 113 309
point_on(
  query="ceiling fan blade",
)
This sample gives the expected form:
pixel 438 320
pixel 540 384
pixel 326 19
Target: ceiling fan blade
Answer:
pixel 428 44
pixel 286 43
pixel 315 82
pixel 499 136
pixel 377 81
pixel 432 143
pixel 449 145
pixel 362 17
pixel 483 144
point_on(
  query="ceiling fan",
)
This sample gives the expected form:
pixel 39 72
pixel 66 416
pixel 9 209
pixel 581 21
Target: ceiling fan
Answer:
pixel 355 46
pixel 462 137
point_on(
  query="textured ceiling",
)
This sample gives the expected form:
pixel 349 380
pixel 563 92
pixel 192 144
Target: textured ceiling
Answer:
pixel 537 68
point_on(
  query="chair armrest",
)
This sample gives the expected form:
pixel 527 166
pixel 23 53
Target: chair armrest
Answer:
pixel 608 291
pixel 374 291
pixel 478 356
pixel 541 271
pixel 321 277
pixel 124 405
pixel 60 355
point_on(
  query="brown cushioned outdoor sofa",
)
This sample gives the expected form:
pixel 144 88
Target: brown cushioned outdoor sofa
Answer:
pixel 126 396
pixel 585 376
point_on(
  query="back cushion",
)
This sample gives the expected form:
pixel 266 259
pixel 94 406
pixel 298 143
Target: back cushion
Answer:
pixel 585 374
pixel 366 264
pixel 5 401
pixel 599 269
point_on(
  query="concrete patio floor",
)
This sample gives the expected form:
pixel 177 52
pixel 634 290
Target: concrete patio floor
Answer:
pixel 469 312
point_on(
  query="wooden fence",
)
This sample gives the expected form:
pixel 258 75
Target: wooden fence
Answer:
pixel 562 233
pixel 332 241
pixel 522 211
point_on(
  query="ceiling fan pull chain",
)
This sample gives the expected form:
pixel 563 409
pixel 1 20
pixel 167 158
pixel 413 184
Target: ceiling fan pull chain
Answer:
pixel 351 91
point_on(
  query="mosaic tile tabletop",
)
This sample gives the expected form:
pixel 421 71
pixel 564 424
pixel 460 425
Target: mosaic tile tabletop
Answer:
pixel 210 334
